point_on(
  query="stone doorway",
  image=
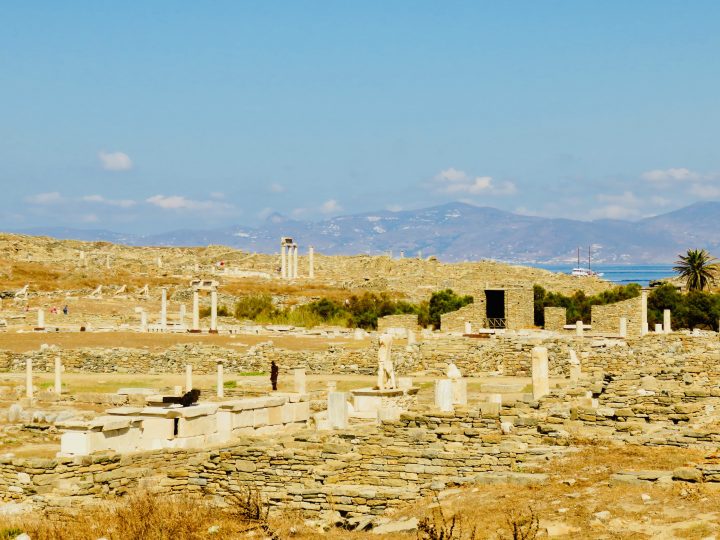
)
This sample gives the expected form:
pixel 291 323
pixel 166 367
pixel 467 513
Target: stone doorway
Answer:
pixel 495 308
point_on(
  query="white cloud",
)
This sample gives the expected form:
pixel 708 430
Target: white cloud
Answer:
pixel 451 175
pixel 657 200
pixel 217 195
pixel 625 205
pixel 626 198
pixel 178 202
pixel 330 207
pixel 454 181
pixel 705 191
pixel 277 188
pixel 614 211
pixel 121 203
pixel 52 197
pixel 115 161
pixel 677 174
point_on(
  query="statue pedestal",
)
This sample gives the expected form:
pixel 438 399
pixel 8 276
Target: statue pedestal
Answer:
pixel 368 401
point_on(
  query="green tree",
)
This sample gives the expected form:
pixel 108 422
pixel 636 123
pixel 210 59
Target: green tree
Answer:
pixel 697 267
pixel 578 306
pixel 703 310
pixel 252 306
pixel 664 297
pixel 445 302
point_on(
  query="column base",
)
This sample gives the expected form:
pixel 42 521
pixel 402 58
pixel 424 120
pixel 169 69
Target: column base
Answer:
pixel 193 331
pixel 212 331
pixel 39 329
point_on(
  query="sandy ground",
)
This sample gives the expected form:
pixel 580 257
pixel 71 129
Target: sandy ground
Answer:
pixel 28 341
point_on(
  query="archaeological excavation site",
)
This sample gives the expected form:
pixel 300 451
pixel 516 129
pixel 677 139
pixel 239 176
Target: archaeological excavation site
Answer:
pixel 217 393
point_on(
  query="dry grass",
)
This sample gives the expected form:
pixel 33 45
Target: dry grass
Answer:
pixel 25 342
pixel 141 516
pixel 576 490
pixel 46 277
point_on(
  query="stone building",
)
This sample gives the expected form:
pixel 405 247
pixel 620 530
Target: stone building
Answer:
pixel 494 308
pixel 392 323
pixel 555 318
pixel 606 319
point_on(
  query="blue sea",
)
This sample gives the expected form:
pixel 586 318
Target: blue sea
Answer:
pixel 622 274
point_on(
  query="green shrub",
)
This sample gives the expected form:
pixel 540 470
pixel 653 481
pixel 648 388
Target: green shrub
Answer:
pixel 578 305
pixel 696 309
pixel 445 302
pixel 222 311
pixel 253 306
pixel 10 534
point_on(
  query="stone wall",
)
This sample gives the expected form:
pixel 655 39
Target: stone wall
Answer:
pixel 606 318
pixel 455 320
pixel 406 322
pixel 519 308
pixel 363 472
pixel 508 354
pixel 519 305
pixel 555 318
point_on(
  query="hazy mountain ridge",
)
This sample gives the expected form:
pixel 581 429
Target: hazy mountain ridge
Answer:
pixel 457 232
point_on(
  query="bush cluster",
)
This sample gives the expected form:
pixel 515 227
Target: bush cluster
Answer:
pixel 578 305
pixel 695 309
pixel 356 311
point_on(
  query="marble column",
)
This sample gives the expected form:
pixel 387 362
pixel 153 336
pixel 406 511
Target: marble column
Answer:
pixel 58 370
pixel 300 381
pixel 40 319
pixel 143 321
pixel 188 377
pixel 337 410
pixel 540 372
pixel 444 394
pixel 213 312
pixel 311 262
pixel 579 329
pixel 196 312
pixel 623 327
pixel 283 261
pixel 574 368
pixel 667 328
pixel 643 312
pixel 182 314
pixel 220 381
pixel 163 308
pixel 295 261
pixel 28 378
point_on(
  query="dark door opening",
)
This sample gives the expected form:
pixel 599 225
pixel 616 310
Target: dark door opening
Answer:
pixel 495 309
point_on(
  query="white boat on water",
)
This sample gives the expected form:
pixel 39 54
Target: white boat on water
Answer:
pixel 579 271
pixel 585 272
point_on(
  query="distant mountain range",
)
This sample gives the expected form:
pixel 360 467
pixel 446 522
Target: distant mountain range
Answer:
pixel 456 232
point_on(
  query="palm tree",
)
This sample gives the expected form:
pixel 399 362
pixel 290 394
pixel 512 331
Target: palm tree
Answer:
pixel 697 267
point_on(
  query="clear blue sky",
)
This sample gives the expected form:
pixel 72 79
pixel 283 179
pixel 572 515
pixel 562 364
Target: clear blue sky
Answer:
pixel 147 116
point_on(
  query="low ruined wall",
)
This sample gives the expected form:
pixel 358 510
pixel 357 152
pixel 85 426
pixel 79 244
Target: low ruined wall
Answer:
pixel 408 322
pixel 505 354
pixel 455 320
pixel 606 318
pixel 375 469
pixel 519 308
pixel 555 318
